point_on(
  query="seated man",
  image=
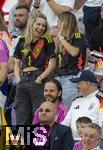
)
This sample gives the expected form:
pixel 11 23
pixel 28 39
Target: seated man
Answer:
pixel 89 104
pixel 60 135
pixel 47 134
pixel 53 93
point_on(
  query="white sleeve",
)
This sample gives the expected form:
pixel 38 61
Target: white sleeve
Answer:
pixel 69 3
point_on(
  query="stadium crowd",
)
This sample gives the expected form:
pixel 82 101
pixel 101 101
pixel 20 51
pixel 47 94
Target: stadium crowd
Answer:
pixel 51 72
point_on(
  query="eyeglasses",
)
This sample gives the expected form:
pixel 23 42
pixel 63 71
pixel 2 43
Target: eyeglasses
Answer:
pixel 45 110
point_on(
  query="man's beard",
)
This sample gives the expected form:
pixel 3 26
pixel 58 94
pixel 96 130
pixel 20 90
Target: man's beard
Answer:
pixel 52 99
pixel 20 26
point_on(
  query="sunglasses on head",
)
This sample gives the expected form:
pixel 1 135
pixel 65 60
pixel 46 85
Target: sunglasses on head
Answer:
pixel 44 110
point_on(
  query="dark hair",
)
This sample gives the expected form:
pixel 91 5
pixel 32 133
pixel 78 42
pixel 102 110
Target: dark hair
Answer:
pixel 83 120
pixel 58 85
pixel 22 7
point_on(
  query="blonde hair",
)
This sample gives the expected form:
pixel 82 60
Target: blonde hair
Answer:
pixel 33 15
pixel 69 25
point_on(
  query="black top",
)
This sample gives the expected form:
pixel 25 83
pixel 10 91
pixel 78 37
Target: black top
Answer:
pixel 42 51
pixel 68 65
pixel 61 137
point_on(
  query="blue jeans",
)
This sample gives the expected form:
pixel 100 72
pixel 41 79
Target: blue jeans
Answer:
pixel 70 92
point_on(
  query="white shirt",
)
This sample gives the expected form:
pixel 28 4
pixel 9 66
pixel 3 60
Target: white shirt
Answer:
pixel 93 3
pixel 88 106
pixel 51 17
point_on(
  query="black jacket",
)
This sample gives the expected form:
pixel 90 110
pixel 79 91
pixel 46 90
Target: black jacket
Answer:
pixel 61 137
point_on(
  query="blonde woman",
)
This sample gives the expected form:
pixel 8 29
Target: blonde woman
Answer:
pixel 70 56
pixel 33 52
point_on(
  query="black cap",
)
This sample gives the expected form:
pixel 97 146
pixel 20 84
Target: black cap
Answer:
pixel 85 75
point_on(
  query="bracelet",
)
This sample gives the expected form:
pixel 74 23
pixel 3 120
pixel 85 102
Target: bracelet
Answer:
pixel 36 6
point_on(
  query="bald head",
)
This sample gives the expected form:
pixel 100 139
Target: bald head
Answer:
pixel 48 104
pixel 47 113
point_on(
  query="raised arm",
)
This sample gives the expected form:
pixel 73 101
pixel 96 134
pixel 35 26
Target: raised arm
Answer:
pixel 60 8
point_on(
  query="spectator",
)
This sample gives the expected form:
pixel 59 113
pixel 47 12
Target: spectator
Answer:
pixel 96 44
pixel 70 56
pixel 53 8
pixel 96 41
pixel 34 52
pixel 81 124
pixel 20 21
pixel 60 135
pixel 4 32
pixel 88 105
pixel 53 93
pixel 90 138
pixel 91 18
pixel 4 35
pixel 4 55
pixel 5 45
pixel 11 27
